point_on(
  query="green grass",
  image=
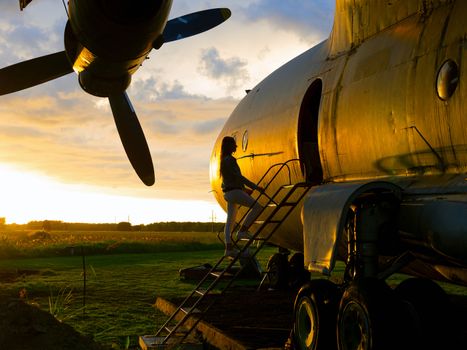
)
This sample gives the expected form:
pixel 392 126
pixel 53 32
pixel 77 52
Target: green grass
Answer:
pixel 26 244
pixel 125 273
pixel 121 288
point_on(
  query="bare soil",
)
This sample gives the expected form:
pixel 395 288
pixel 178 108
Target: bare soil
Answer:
pixel 26 327
pixel 257 319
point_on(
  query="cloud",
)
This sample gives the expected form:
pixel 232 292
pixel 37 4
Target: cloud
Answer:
pixel 21 41
pixel 68 137
pixel 308 19
pixel 230 70
pixel 181 95
pixel 209 126
pixel 9 6
pixel 152 89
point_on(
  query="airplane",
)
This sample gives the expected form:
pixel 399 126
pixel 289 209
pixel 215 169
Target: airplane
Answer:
pixel 105 43
pixel 373 120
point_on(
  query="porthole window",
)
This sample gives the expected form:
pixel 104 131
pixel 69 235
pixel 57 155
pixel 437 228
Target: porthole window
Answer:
pixel 447 80
pixel 245 141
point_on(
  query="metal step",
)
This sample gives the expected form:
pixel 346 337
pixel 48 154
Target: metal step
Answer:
pixel 191 311
pixel 218 274
pixel 287 186
pixel 262 222
pixel 200 292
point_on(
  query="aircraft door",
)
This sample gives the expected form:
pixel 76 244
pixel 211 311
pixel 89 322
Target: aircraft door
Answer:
pixel 308 148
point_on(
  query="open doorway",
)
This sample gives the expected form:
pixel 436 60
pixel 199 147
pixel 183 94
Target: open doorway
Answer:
pixel 308 134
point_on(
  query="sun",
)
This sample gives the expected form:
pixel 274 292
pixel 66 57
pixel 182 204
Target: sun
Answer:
pixel 28 196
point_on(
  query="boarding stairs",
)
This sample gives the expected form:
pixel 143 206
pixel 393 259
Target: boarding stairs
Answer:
pixel 276 210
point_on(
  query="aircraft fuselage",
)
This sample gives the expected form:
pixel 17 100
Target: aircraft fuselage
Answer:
pixel 382 103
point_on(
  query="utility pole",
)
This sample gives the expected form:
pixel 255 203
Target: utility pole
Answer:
pixel 213 218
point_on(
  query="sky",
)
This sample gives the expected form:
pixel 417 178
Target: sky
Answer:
pixel 60 153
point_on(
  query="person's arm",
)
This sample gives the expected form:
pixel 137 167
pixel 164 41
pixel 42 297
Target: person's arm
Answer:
pixel 234 169
pixel 250 184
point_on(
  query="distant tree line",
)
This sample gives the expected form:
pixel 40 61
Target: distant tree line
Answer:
pixel 173 226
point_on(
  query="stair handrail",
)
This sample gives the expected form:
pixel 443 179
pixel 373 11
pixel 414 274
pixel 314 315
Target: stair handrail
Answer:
pixel 214 283
pixel 282 166
pixel 232 262
pixel 271 200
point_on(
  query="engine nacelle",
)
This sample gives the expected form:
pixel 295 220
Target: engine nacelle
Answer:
pixel 100 87
pixel 107 40
pixel 104 27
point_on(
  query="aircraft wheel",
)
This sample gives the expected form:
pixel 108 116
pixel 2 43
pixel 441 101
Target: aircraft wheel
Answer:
pixel 366 316
pixel 315 312
pixel 298 275
pixel 428 309
pixel 278 271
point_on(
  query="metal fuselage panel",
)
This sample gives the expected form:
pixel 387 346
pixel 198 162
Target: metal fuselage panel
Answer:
pixel 379 117
pixel 387 111
pixel 269 114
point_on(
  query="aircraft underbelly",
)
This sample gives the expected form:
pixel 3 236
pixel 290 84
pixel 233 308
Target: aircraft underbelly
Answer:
pixel 439 223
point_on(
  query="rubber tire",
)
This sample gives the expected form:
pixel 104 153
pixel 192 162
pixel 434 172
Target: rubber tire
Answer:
pixel 278 271
pixel 429 311
pixel 315 315
pixel 366 319
pixel 298 275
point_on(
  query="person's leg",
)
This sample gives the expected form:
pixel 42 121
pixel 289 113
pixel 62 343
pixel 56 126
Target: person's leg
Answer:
pixel 251 217
pixel 232 209
pixel 242 198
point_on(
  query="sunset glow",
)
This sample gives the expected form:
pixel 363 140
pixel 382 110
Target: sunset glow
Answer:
pixel 60 153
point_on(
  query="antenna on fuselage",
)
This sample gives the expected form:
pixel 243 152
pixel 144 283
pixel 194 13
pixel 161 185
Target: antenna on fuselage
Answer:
pixel 442 164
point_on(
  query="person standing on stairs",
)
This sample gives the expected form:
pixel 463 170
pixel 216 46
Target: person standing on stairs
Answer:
pixel 233 186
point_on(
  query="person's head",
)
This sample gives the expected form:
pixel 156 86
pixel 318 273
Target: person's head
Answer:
pixel 228 146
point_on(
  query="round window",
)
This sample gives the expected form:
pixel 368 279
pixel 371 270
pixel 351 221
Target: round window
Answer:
pixel 447 80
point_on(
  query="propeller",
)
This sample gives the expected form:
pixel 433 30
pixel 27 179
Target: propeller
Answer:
pixel 192 24
pixel 33 72
pixel 23 4
pixel 132 137
pixel 39 70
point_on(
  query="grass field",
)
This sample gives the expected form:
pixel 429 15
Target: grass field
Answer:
pixel 125 272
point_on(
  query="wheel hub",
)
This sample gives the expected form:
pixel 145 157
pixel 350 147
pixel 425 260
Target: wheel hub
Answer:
pixel 355 333
pixel 306 321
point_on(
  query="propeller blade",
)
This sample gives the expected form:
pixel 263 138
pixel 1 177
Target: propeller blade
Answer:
pixel 33 72
pixel 194 23
pixel 132 137
pixel 23 4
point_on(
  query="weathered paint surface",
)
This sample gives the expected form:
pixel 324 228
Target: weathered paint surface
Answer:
pixel 380 114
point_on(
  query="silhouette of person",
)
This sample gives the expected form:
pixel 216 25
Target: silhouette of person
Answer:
pixel 233 186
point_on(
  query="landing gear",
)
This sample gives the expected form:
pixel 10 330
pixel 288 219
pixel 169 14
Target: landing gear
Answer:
pixel 364 313
pixel 366 317
pixel 298 275
pixel 278 271
pixel 315 312
pixel 428 313
pixel 283 274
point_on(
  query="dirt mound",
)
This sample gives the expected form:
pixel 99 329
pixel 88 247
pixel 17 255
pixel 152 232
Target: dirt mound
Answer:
pixel 25 327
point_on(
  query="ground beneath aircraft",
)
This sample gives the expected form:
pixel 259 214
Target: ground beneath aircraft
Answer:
pixel 263 320
pixel 256 319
